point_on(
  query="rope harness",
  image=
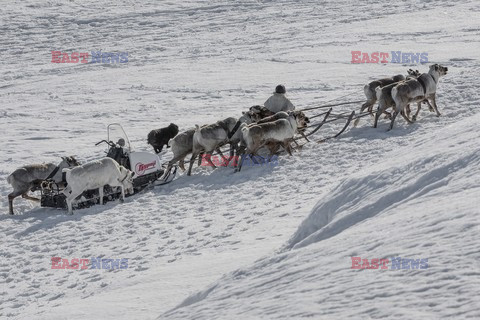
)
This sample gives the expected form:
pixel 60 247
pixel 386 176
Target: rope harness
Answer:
pixel 423 85
pixel 235 128
pixel 124 178
pixel 53 173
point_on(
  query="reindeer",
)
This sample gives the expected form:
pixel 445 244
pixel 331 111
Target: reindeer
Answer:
pixel 417 90
pixel 369 90
pixel 29 177
pixel 271 134
pixel 95 175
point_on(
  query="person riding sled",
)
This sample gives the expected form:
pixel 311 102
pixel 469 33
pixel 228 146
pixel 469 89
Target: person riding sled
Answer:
pixel 278 101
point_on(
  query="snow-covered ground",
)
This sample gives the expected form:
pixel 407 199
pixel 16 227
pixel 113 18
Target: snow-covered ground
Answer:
pixel 423 206
pixel 245 245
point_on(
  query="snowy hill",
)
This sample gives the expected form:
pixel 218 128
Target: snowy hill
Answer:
pixel 419 206
pixel 244 245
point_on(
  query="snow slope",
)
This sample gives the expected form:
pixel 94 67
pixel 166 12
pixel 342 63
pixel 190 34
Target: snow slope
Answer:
pixel 195 62
pixel 418 206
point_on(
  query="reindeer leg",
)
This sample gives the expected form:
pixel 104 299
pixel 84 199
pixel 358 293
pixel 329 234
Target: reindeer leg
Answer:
pixel 169 166
pixel 276 148
pixel 255 150
pixel 181 163
pixel 375 122
pixel 430 108
pixel 12 196
pixel 271 148
pixel 286 145
pixel 367 105
pixel 289 148
pixel 434 102
pixel 304 136
pixel 200 157
pixel 370 106
pixel 419 106
pixel 395 114
pixel 209 160
pixel 403 113
pixel 240 151
pixel 241 154
pixel 239 165
pixel 10 204
pixel 219 152
pixel 122 190
pixel 252 154
pixel 380 109
pixel 69 205
pixel 192 160
pixel 252 157
pixel 226 162
pixel 70 198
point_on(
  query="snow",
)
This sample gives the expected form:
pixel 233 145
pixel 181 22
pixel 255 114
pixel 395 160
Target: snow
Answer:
pixel 423 206
pixel 269 242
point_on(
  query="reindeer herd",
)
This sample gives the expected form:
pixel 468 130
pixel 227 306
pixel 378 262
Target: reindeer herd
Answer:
pixel 398 92
pixel 255 129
